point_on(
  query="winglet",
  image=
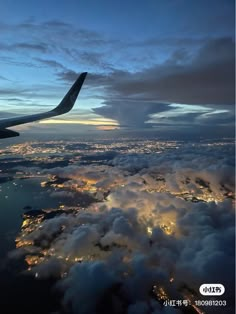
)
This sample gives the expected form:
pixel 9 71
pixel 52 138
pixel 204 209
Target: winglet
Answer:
pixel 68 101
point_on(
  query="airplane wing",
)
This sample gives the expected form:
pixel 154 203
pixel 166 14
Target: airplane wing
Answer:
pixel 64 106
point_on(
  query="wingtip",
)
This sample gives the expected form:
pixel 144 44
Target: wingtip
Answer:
pixel 83 74
pixel 68 101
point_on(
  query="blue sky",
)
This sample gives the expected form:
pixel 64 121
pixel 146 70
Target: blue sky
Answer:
pixel 151 63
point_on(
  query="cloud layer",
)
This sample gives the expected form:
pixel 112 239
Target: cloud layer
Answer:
pixel 129 82
pixel 163 226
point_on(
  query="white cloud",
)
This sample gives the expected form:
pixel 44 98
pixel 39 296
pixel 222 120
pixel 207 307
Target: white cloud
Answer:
pixel 144 233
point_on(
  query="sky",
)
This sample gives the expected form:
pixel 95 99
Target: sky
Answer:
pixel 166 64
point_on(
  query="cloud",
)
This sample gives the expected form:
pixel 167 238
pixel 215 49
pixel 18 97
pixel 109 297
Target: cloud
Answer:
pixel 4 114
pixel 209 79
pixel 3 78
pixel 219 118
pixel 205 79
pixel 52 41
pixel 86 282
pixel 130 113
pixel 50 63
pixel 30 46
pixel 146 230
pixel 25 46
pixel 132 85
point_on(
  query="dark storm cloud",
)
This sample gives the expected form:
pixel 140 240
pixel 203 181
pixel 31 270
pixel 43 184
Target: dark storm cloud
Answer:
pixel 217 50
pixel 207 118
pixel 225 118
pixel 205 77
pixel 200 71
pixel 129 112
pixel 187 118
pixel 208 79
